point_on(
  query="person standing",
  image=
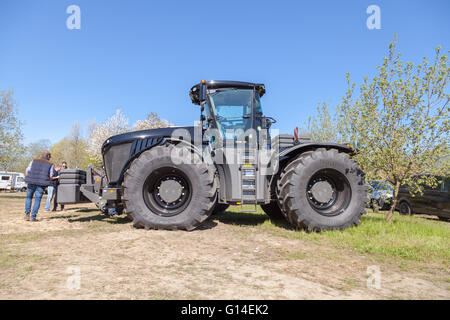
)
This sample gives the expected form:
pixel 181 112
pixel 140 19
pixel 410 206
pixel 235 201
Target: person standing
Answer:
pixel 58 172
pixel 51 189
pixel 38 175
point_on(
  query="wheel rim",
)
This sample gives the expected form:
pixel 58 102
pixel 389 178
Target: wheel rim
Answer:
pixel 328 192
pixel 167 191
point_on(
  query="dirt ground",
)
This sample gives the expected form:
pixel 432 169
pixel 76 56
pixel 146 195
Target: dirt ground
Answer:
pixel 221 260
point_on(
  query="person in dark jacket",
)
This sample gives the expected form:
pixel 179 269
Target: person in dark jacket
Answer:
pixel 56 184
pixel 38 175
pixel 51 189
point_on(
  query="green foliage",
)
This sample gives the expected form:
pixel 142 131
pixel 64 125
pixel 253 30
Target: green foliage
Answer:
pixel 94 160
pixel 31 151
pixel 322 127
pixel 72 149
pixel 398 122
pixel 11 146
pixel 34 150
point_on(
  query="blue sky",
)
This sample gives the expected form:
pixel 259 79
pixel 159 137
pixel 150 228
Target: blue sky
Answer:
pixel 143 56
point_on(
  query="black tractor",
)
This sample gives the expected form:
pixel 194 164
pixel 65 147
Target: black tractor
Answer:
pixel 176 177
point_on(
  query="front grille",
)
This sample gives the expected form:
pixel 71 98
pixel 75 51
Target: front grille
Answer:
pixel 115 159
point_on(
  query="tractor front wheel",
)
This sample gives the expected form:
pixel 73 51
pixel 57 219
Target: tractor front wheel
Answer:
pixel 169 187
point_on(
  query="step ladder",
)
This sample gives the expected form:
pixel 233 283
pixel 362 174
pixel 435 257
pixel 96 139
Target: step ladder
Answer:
pixel 248 181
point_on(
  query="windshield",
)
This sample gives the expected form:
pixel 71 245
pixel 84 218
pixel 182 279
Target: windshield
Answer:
pixel 233 110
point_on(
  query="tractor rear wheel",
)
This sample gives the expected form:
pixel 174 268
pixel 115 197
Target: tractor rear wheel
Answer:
pixel 169 187
pixel 323 190
pixel 284 181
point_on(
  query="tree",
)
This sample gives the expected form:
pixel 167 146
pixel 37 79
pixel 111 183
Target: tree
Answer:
pixel 116 124
pixel 34 149
pixel 31 151
pixel 322 127
pixel 151 122
pixel 398 123
pixel 73 149
pixel 76 158
pixel 10 131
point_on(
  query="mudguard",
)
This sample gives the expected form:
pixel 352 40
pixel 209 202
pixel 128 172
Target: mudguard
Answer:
pixel 291 152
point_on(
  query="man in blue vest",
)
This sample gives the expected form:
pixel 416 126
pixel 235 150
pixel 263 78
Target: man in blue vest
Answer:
pixel 38 176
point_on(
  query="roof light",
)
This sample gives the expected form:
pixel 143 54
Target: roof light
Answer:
pixel 202 81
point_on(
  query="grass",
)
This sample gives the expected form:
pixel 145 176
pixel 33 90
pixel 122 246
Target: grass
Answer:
pixel 407 238
pixel 9 260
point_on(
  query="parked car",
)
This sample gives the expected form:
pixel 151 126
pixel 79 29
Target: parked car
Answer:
pixel 12 181
pixel 433 201
pixel 380 195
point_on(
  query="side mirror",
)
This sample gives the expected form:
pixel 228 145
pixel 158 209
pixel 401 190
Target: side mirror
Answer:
pixel 202 93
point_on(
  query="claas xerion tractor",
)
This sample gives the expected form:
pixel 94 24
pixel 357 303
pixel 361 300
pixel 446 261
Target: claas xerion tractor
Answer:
pixel 176 177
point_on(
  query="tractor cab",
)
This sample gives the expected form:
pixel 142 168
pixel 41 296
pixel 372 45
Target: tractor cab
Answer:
pixel 232 110
pixel 236 131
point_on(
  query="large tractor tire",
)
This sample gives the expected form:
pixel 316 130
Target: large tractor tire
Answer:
pixel 323 190
pixel 169 187
pixel 220 207
pixel 284 180
pixel 273 211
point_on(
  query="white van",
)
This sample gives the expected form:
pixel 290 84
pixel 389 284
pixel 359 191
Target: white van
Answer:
pixel 13 181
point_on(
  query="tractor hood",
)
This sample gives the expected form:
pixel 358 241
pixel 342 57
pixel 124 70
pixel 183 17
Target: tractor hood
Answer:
pixel 120 150
pixel 143 134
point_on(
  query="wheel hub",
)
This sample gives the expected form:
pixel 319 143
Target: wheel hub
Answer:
pixel 170 190
pixel 322 192
pixel 167 191
pixel 328 192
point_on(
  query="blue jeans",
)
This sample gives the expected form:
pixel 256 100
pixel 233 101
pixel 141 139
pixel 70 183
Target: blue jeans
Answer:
pixel 50 190
pixel 37 191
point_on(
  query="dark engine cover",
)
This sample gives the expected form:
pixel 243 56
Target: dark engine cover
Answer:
pixel 120 150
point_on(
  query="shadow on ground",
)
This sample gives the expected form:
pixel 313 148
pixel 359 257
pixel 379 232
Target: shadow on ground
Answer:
pixel 227 217
pixel 74 217
pixel 248 219
pixel 113 220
